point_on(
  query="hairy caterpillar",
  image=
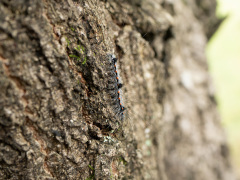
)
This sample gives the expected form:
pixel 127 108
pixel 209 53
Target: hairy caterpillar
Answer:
pixel 114 87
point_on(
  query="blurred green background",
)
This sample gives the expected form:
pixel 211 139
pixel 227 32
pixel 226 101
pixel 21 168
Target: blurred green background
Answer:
pixel 223 52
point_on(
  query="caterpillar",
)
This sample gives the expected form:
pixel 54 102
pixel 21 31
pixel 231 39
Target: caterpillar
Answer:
pixel 114 87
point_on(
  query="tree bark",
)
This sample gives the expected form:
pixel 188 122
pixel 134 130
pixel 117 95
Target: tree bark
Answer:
pixel 57 119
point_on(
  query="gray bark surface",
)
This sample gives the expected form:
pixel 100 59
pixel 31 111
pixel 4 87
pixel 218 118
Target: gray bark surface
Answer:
pixel 57 120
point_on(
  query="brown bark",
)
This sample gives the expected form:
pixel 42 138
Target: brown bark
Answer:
pixel 56 119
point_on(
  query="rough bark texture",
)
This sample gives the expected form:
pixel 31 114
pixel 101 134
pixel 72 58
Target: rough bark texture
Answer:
pixel 56 120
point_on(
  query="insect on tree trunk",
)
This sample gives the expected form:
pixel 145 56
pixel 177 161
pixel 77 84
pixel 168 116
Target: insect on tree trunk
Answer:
pixel 60 115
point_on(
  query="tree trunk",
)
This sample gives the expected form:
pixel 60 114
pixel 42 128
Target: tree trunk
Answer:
pixel 60 116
